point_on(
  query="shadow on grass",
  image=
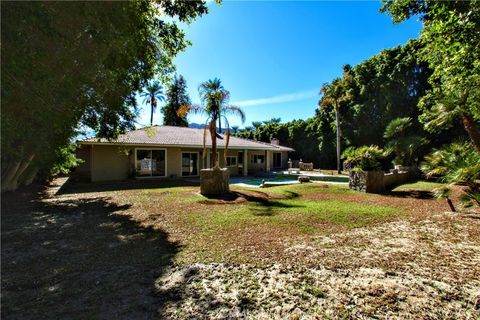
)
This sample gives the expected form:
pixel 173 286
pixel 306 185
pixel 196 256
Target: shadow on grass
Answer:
pixel 261 203
pixel 73 187
pixel 414 194
pixel 78 258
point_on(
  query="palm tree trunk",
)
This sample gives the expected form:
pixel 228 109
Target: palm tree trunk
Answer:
pixel 219 125
pixel 151 115
pixel 472 130
pixel 213 135
pixel 337 123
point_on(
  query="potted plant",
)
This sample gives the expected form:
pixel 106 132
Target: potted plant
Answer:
pixel 366 172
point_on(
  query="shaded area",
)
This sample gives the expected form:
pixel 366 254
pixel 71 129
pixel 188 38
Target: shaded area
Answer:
pixel 73 187
pixel 64 258
pixel 415 194
pixel 261 203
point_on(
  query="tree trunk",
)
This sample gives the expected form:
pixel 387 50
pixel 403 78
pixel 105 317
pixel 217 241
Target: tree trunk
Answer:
pixel 219 125
pixel 337 123
pixel 11 181
pixel 151 115
pixel 472 130
pixel 213 135
pixel 8 175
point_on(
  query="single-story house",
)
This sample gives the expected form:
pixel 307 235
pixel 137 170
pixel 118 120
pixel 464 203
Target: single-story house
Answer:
pixel 172 152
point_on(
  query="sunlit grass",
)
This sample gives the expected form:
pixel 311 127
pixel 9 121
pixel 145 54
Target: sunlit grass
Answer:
pixel 301 216
pixel 420 186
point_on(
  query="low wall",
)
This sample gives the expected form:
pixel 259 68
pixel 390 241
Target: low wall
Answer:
pixel 376 181
pixel 395 177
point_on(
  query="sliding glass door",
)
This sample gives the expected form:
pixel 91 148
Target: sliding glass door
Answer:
pixel 189 164
pixel 277 160
pixel 150 162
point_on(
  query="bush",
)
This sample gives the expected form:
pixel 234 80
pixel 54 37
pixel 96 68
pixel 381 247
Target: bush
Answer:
pixel 366 158
pixel 456 164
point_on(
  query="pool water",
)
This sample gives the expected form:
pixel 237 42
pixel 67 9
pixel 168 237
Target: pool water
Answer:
pixel 258 181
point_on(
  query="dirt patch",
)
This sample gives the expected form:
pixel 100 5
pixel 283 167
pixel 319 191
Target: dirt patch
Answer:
pixel 282 292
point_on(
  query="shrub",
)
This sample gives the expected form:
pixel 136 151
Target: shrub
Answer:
pixel 366 158
pixel 456 164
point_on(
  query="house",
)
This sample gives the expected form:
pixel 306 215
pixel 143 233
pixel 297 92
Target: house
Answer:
pixel 172 152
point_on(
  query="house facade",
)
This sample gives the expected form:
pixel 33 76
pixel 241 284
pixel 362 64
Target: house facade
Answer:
pixel 174 152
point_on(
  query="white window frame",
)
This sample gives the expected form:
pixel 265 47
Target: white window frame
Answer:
pixel 232 166
pixel 166 163
pixel 198 163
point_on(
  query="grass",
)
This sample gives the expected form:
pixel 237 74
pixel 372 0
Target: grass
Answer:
pixel 302 215
pixel 420 186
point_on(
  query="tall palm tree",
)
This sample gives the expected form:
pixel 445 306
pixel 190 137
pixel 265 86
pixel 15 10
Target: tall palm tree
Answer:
pixel 334 94
pixel 151 95
pixel 216 107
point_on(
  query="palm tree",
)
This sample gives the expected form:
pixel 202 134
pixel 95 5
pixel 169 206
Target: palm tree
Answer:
pixel 334 94
pixel 215 106
pixel 152 93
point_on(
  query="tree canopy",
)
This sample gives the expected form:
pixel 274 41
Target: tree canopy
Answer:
pixel 450 41
pixel 177 97
pixel 75 66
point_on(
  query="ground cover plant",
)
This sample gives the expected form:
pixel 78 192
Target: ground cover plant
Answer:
pixel 144 249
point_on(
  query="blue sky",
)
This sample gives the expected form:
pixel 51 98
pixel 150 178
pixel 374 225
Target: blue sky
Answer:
pixel 273 56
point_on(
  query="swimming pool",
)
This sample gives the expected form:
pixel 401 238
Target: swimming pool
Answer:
pixel 257 182
pixel 287 179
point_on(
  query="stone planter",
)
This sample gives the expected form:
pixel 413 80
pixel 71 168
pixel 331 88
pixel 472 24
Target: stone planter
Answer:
pixel 367 181
pixel 214 181
pixel 413 171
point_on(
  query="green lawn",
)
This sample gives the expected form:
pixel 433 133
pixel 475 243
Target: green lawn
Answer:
pixel 420 186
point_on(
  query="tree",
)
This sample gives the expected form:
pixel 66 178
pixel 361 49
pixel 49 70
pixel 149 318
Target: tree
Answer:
pixel 177 97
pixel 333 95
pixel 256 124
pixel 65 73
pixel 152 93
pixel 451 46
pixel 215 105
pixel 235 129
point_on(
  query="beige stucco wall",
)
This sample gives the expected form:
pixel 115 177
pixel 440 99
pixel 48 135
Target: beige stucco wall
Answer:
pixel 109 163
pixel 83 170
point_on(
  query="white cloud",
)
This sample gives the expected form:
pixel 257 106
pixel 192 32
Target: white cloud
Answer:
pixel 296 96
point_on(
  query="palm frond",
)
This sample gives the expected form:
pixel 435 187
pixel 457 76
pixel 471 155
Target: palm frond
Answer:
pixel 234 110
pixel 207 125
pixel 227 138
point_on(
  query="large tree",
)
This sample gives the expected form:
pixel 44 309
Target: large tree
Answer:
pixel 177 97
pixel 77 65
pixel 333 95
pixel 451 46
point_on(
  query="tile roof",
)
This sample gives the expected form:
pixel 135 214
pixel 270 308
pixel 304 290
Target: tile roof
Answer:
pixel 181 136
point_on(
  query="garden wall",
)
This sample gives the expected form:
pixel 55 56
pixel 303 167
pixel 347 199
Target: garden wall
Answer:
pixel 376 181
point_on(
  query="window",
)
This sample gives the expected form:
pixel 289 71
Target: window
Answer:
pixel 189 164
pixel 150 162
pixel 258 158
pixel 231 161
